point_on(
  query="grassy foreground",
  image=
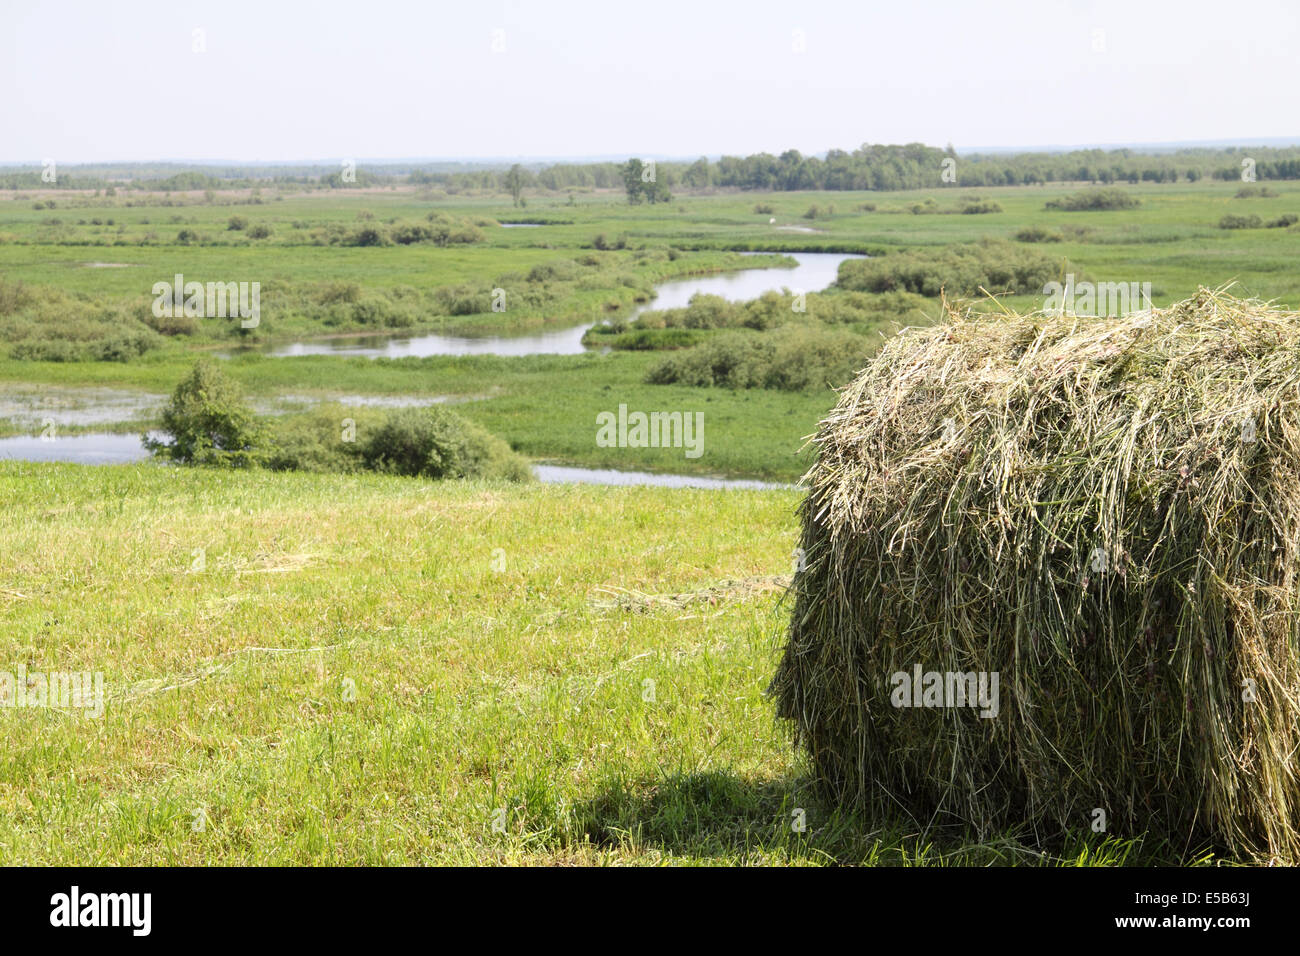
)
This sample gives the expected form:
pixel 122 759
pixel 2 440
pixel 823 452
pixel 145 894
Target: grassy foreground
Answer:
pixel 326 669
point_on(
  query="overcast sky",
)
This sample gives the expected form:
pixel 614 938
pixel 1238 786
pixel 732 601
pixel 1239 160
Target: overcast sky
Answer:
pixel 91 80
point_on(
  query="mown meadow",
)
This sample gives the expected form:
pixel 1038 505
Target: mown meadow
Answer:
pixel 371 670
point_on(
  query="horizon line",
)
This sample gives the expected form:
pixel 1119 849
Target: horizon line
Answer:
pixel 1164 146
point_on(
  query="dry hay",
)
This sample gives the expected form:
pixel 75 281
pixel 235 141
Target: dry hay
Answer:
pixel 1106 513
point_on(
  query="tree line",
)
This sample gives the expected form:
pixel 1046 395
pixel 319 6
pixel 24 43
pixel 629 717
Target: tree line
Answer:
pixel 869 167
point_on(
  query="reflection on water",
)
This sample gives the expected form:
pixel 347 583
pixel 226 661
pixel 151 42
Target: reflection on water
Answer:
pixel 106 449
pixel 36 405
pixel 288 403
pixel 93 449
pixel 814 271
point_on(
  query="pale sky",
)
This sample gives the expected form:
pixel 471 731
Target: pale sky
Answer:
pixel 95 80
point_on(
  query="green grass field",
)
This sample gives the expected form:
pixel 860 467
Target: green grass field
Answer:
pixel 546 406
pixel 319 669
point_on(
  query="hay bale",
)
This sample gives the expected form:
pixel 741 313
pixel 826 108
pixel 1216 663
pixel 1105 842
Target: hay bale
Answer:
pixel 1106 514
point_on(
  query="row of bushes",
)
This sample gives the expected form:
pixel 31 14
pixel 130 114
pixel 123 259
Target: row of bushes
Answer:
pixel 1255 222
pixel 50 325
pixel 122 347
pixel 774 309
pixel 969 206
pixel 791 359
pixel 1255 192
pixel 994 265
pixel 441 230
pixel 208 422
pixel 1095 199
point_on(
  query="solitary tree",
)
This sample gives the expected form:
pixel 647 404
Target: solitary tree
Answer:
pixel 642 183
pixel 209 422
pixel 632 171
pixel 515 183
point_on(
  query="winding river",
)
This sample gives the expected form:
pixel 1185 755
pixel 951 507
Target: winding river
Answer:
pixel 814 271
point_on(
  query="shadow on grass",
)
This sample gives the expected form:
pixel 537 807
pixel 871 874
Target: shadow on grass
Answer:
pixel 718 816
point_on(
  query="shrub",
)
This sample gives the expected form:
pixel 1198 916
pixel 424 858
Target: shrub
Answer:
pixel 237 224
pixel 259 231
pixel 55 350
pixel 333 292
pixel 14 297
pixel 790 359
pixel 1241 222
pixel 124 347
pixel 379 311
pixel 175 324
pixel 438 443
pixel 1095 199
pixel 209 422
pixel 446 230
pixel 315 440
pixel 369 236
pixel 992 264
pixel 1038 234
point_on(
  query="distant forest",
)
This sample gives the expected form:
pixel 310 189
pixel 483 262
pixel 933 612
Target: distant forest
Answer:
pixel 870 167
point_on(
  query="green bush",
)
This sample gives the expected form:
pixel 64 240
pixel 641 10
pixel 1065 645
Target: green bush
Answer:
pixel 14 297
pixel 124 347
pixel 1095 199
pixel 438 443
pixel 444 230
pixel 378 311
pixel 237 224
pixel 1241 222
pixel 209 423
pixel 1038 234
pixel 790 359
pixel 369 236
pixel 991 264
pixel 332 292
pixel 51 350
pixel 324 439
pixel 641 339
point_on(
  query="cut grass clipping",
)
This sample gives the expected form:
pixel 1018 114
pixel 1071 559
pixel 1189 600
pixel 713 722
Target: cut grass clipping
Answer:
pixel 1106 513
